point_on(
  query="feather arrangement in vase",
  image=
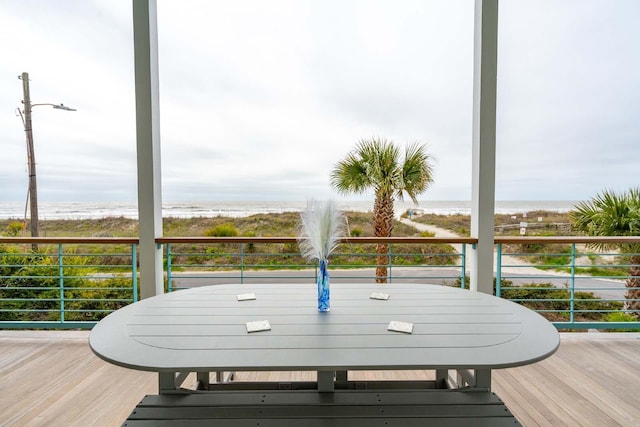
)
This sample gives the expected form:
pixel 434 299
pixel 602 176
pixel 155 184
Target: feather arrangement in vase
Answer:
pixel 321 227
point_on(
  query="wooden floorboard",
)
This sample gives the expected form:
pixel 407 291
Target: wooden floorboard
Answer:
pixel 51 378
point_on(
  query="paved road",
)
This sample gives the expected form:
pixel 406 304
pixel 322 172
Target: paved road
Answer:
pixel 606 289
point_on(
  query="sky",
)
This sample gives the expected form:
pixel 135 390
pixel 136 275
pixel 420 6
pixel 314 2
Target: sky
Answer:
pixel 260 99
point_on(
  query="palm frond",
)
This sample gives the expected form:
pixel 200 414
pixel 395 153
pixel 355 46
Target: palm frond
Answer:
pixel 321 226
pixel 417 172
pixel 609 214
pixel 350 175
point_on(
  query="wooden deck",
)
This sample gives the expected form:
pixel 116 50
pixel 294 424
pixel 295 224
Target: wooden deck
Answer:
pixel 52 378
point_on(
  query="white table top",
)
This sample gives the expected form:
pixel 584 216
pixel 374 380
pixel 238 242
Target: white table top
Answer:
pixel 204 329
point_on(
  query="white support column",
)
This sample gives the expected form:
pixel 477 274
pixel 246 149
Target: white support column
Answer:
pixel 145 45
pixel 484 144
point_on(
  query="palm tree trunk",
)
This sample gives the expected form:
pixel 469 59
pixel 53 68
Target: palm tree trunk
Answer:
pixel 383 225
pixel 633 287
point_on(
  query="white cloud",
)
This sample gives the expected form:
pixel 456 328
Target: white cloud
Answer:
pixel 260 99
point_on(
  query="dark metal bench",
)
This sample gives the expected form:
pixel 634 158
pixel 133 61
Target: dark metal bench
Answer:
pixel 307 408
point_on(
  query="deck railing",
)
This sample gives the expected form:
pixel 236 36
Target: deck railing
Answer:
pixel 73 282
pixel 210 260
pixel 572 284
pixel 68 283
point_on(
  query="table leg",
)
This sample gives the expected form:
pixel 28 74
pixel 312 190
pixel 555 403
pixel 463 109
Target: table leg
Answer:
pixel 325 381
pixel 203 380
pixel 483 379
pixel 442 378
pixel 166 382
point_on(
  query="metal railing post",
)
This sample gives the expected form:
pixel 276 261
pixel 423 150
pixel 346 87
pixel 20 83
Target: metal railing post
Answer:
pixel 573 283
pixel 499 270
pixel 61 281
pixel 389 262
pixel 241 263
pixel 169 275
pixel 463 276
pixel 134 272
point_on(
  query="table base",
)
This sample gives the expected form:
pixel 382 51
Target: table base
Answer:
pixel 329 381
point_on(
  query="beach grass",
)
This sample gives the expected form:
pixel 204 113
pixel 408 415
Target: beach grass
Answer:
pixel 259 225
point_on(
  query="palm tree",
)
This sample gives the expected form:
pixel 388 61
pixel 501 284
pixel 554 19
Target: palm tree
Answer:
pixel 375 164
pixel 611 214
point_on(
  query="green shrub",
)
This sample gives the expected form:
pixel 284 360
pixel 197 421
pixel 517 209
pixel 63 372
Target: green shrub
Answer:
pixel 622 317
pixel 427 234
pixel 31 288
pixel 14 228
pixel 356 232
pixel 222 230
pixel 290 249
pixel 554 302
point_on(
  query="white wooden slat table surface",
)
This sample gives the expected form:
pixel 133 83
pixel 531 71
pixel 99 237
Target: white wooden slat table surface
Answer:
pixel 204 329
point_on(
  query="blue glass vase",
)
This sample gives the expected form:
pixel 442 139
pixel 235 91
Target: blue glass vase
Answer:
pixel 323 287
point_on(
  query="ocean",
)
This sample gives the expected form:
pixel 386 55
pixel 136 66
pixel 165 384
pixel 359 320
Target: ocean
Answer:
pixel 94 210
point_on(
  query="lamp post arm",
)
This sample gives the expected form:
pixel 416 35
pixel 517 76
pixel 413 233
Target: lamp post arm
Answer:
pixel 56 106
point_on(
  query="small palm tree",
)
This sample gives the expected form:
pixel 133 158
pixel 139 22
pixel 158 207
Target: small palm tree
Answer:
pixel 611 214
pixel 375 164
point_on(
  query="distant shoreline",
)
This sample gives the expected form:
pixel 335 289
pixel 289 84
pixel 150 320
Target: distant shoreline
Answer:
pixel 238 209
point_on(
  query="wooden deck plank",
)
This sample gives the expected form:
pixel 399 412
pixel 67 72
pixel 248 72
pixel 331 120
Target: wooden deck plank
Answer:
pixel 569 399
pixel 535 393
pixel 585 383
pixel 522 403
pixel 59 378
pixel 52 378
pixel 582 381
pixel 619 395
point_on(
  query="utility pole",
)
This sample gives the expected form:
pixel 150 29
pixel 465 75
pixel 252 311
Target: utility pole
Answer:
pixel 25 114
pixel 31 159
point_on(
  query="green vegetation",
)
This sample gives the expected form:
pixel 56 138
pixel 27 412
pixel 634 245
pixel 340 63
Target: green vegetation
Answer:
pixel 31 285
pixel 612 214
pixel 545 256
pixel 269 256
pixel 554 303
pixel 14 228
pixel 222 230
pixel 356 232
pixel 622 317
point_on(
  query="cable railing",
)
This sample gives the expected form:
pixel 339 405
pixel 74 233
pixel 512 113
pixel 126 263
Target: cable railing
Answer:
pixel 569 282
pixel 216 260
pixel 74 282
pixel 69 283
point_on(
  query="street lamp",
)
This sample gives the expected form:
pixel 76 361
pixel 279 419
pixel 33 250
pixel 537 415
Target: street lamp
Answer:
pixel 32 195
